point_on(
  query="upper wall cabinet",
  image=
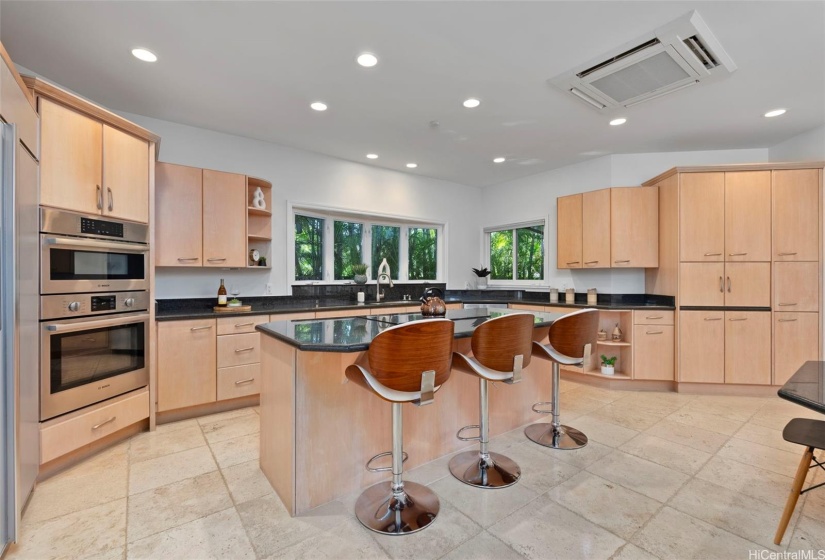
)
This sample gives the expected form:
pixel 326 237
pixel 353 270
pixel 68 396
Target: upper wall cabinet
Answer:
pixel 609 228
pixel 796 214
pixel 91 161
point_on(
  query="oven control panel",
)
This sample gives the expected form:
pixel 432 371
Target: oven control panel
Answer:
pixel 81 305
pixel 101 227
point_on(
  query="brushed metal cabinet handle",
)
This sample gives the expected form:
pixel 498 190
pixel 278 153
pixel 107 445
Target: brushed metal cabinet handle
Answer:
pixel 721 284
pixel 739 319
pixel 787 320
pixel 239 350
pixel 216 259
pixel 654 332
pixel 656 317
pixel 201 328
pixel 728 284
pixel 239 325
pixel 110 420
pixel 622 262
pixel 713 254
pixel 590 262
pixel 713 318
pixel 786 254
pixel 111 199
pixel 187 259
pixel 242 381
pixel 737 254
pixel 786 304
pixel 99 198
pixel 573 262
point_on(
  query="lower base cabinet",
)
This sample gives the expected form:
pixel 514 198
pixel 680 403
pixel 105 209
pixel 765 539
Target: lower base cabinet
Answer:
pixel 702 346
pixel 239 381
pixel 186 363
pixel 795 341
pixel 653 352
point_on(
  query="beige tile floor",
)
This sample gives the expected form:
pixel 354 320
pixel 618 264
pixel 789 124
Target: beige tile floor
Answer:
pixel 665 475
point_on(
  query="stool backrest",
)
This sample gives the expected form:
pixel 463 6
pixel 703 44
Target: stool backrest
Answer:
pixel 498 341
pixel 570 334
pixel 399 355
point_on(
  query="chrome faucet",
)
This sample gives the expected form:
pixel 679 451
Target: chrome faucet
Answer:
pixel 382 277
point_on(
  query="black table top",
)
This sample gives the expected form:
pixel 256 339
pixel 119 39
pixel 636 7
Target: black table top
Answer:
pixel 354 334
pixel 807 386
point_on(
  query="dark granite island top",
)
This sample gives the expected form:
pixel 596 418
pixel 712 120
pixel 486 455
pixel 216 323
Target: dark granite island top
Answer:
pixel 354 334
pixel 806 387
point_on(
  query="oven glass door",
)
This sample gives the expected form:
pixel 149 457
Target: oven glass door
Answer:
pixel 75 265
pixel 85 361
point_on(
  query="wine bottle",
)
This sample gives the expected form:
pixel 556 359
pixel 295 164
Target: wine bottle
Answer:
pixel 222 295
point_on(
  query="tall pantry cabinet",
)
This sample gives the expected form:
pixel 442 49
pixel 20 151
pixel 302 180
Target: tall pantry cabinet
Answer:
pixel 740 249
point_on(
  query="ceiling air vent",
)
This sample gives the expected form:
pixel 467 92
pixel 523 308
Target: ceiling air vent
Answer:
pixel 680 54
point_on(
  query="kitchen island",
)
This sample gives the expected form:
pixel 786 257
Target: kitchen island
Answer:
pixel 318 429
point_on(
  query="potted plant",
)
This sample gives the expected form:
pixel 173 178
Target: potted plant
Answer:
pixel 359 273
pixel 608 365
pixel 481 275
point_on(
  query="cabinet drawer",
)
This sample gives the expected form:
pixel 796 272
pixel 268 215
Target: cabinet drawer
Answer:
pixel 237 325
pixel 652 317
pixel 795 341
pixel 653 352
pixel 796 286
pixel 239 349
pixel 239 381
pixel 73 433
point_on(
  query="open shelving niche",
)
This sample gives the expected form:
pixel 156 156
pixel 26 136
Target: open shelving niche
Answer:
pixel 623 350
pixel 259 222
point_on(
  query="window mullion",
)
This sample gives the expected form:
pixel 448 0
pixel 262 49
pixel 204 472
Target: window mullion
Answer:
pixel 515 255
pixel 329 250
pixel 366 248
pixel 404 254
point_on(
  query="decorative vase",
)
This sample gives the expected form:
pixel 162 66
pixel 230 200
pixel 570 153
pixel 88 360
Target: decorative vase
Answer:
pixel 481 283
pixel 258 200
pixel 360 278
pixel 608 370
pixel 617 333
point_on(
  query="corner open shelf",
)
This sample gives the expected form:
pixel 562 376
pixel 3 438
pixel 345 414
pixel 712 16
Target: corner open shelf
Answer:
pixel 259 221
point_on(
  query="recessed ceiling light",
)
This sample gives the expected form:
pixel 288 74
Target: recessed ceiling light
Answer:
pixel 472 103
pixel 775 113
pixel 412 165
pixel 372 156
pixel 144 55
pixel 318 106
pixel 367 60
pixel 617 122
pixel 499 160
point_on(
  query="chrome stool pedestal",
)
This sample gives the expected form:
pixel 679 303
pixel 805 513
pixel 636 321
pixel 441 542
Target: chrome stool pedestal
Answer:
pixel 555 435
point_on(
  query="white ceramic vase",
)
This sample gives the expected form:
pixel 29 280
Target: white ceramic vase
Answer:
pixel 481 282
pixel 608 370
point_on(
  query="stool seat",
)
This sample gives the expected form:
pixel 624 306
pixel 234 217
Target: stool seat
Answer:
pixel 810 433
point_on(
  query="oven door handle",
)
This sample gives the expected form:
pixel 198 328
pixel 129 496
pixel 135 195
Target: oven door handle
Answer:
pixel 96 244
pixel 124 319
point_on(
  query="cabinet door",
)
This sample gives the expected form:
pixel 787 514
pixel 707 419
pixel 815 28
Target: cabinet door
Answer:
pixel 634 227
pixel 748 284
pixel 653 352
pixel 748 347
pixel 569 231
pixel 702 284
pixel 795 341
pixel 796 286
pixel 178 215
pixel 702 346
pixel 748 216
pixel 702 217
pixel 596 229
pixel 796 215
pixel 125 176
pixel 71 151
pixel 186 363
pixel 224 219
pixel 17 109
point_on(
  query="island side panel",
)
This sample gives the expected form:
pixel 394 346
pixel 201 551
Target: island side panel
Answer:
pixel 278 418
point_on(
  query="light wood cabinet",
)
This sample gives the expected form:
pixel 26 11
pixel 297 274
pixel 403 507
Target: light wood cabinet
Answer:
pixel 702 346
pixel 796 286
pixel 795 341
pixel 702 283
pixel 748 347
pixel 125 176
pixel 653 317
pixel 748 216
pixel 239 381
pixel 71 164
pixel 634 227
pixel 239 349
pixel 186 363
pixel 178 215
pixel 569 231
pixel 16 108
pixel 653 352
pixel 224 219
pixel 796 208
pixel 238 325
pixel 702 217
pixel 596 229
pixel 748 284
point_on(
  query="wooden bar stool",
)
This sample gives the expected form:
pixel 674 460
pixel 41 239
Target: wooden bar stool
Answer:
pixel 571 339
pixel 407 364
pixel 501 348
pixel 811 434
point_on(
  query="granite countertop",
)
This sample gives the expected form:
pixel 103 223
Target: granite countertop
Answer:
pixel 354 334
pixel 806 387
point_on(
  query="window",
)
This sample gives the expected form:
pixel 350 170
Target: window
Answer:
pixel 327 244
pixel 517 253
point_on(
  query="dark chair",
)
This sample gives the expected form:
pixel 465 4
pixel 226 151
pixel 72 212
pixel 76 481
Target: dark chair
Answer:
pixel 571 338
pixel 811 434
pixel 501 348
pixel 407 364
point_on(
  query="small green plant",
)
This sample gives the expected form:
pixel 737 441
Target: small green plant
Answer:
pixel 359 268
pixel 608 361
pixel 481 272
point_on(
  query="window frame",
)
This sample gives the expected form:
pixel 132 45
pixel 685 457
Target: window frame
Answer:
pixel 331 215
pixel 486 231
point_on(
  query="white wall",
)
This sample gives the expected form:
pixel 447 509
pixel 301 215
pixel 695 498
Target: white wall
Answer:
pixel 304 177
pixel 808 146
pixel 535 196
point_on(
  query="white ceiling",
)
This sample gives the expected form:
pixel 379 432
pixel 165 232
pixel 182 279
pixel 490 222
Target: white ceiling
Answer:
pixel 252 69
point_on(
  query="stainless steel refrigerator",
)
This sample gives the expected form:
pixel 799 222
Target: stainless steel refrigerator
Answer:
pixel 19 340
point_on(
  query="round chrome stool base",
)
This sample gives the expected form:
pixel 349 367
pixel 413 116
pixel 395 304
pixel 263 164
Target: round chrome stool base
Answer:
pixel 564 437
pixel 499 472
pixel 379 510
